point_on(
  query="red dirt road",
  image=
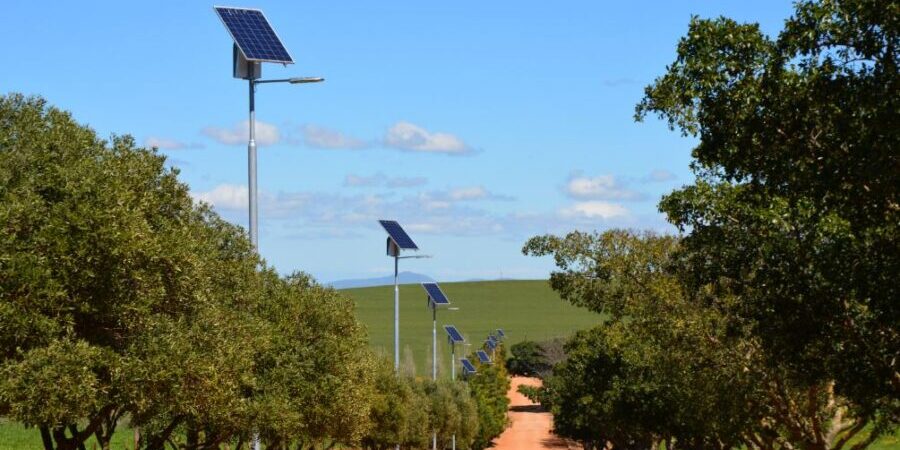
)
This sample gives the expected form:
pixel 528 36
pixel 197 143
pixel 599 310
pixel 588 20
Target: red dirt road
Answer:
pixel 530 427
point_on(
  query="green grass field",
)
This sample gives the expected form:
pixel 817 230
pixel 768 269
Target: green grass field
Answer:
pixel 14 436
pixel 523 309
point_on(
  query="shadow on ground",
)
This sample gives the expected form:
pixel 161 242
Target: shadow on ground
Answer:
pixel 527 409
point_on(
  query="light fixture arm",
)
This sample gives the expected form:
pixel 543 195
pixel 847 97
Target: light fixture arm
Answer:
pixel 296 80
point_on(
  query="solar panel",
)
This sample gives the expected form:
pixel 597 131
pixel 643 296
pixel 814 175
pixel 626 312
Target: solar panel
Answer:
pixel 492 338
pixel 437 296
pixel 454 334
pixel 468 367
pixel 491 344
pixel 253 35
pixel 398 235
pixel 501 333
pixel 483 357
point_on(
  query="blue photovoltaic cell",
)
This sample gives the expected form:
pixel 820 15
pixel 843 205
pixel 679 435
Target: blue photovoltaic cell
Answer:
pixel 501 333
pixel 253 35
pixel 453 333
pixel 491 344
pixel 398 235
pixel 467 365
pixel 434 291
pixel 492 338
pixel 483 357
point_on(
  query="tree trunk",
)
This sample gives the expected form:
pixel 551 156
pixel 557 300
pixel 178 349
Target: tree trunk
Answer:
pixel 78 442
pixel 192 437
pixel 46 438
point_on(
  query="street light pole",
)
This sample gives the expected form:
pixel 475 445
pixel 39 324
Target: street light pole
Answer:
pixel 251 153
pixel 251 173
pixel 453 376
pixel 251 169
pixel 434 361
pixel 397 313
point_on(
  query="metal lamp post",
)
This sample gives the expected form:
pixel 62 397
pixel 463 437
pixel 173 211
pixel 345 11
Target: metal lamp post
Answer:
pixel 434 339
pixel 453 374
pixel 435 297
pixel 255 42
pixel 251 151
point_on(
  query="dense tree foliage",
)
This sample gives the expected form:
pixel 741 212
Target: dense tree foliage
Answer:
pixel 489 386
pixel 661 369
pixel 527 359
pixel 102 252
pixel 123 299
pixel 795 209
pixel 673 365
pixel 773 322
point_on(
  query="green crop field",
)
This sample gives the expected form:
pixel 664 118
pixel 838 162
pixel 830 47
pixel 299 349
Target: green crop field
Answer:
pixel 523 309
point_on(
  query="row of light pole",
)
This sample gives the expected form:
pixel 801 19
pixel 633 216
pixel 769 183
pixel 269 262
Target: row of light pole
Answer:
pixel 247 32
pixel 397 241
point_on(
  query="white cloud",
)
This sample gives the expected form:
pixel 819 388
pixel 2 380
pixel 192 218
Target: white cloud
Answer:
pixel 410 137
pixel 602 187
pixel 469 193
pixel 441 199
pixel 169 144
pixel 658 176
pixel 404 182
pixel 320 137
pixel 617 82
pixel 225 196
pixel 239 134
pixel 333 215
pixel 595 210
pixel 380 179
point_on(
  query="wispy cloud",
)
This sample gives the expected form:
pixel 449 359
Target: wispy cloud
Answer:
pixel 170 144
pixel 601 187
pixel 616 82
pixel 239 134
pixel 658 176
pixel 410 137
pixel 452 212
pixel 442 198
pixel 315 136
pixel 381 180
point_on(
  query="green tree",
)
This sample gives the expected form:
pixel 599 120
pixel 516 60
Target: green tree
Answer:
pixel 794 213
pixel 489 387
pixel 119 296
pixel 673 364
pixel 527 359
pixel 390 409
pixel 315 377
pixel 100 243
pixel 662 369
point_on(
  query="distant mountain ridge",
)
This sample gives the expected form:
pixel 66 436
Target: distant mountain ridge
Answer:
pixel 405 278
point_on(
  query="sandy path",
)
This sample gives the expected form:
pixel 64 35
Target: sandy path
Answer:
pixel 530 427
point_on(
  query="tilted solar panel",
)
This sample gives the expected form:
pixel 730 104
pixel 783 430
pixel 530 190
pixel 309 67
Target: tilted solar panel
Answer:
pixel 468 367
pixel 483 357
pixel 491 344
pixel 434 291
pixel 454 334
pixel 501 333
pixel 253 35
pixel 398 235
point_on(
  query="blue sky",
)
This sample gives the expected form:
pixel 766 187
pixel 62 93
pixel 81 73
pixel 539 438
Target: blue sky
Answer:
pixel 475 124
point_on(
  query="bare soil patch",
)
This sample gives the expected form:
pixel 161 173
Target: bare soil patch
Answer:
pixel 531 426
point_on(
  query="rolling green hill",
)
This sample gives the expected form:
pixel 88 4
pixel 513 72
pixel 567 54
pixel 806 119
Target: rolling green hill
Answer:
pixel 523 309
